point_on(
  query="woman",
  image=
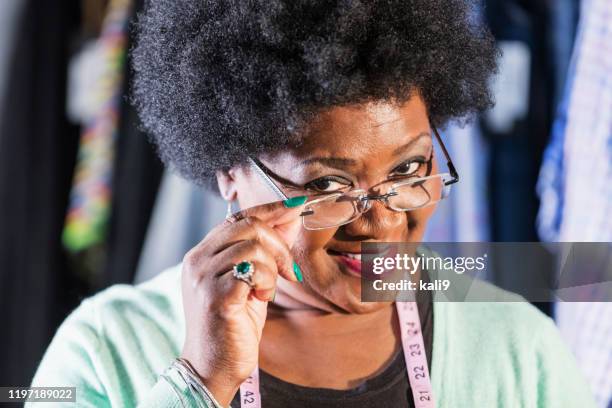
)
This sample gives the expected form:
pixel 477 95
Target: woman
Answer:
pixel 301 100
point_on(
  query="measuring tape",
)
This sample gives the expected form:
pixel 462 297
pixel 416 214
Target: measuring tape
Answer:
pixel 414 354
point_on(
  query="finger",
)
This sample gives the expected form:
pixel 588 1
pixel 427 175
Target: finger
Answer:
pixel 279 215
pixel 274 213
pixel 284 220
pixel 263 248
pixel 244 233
pixel 265 295
pixel 236 291
pixel 255 231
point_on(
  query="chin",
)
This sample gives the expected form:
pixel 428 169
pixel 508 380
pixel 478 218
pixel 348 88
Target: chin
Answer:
pixel 366 307
pixel 345 294
pixel 338 280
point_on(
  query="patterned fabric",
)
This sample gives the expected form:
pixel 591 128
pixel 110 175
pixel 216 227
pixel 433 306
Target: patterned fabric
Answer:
pixel 575 185
pixel 90 197
pixel 587 327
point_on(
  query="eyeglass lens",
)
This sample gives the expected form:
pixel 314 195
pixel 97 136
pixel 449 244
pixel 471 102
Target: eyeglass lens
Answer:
pixel 341 209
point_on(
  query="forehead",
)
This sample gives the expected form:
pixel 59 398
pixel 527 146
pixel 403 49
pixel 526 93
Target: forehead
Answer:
pixel 366 130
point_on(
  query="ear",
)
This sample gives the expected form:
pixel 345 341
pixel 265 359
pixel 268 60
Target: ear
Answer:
pixel 227 184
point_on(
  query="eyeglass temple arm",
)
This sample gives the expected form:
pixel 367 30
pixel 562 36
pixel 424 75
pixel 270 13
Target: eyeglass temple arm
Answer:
pixel 272 184
pixel 267 179
pixel 449 161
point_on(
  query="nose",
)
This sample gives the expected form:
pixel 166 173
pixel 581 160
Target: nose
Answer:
pixel 377 222
pixel 367 201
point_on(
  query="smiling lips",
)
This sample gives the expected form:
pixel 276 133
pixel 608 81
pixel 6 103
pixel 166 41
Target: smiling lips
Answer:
pixel 352 260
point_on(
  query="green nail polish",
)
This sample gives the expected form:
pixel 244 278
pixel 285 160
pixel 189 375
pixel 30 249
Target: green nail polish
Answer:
pixel 273 296
pixel 295 201
pixel 297 272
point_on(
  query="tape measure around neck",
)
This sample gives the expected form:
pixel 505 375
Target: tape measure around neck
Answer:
pixel 414 354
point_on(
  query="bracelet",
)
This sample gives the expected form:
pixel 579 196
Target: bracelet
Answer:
pixel 195 389
pixel 193 381
pixel 177 392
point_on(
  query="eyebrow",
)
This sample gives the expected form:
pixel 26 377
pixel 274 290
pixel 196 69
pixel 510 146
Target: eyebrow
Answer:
pixel 335 162
pixel 405 147
pixel 343 162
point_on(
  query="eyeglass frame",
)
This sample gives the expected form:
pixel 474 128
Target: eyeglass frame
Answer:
pixel 263 171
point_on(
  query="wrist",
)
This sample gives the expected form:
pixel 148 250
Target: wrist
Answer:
pixel 222 387
pixel 222 391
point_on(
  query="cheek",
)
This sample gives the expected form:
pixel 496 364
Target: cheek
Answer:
pixel 417 222
pixel 309 250
pixel 310 244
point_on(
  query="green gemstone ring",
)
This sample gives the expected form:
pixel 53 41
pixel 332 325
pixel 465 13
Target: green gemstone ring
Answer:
pixel 244 271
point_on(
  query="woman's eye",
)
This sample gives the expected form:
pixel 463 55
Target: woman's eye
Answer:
pixel 408 168
pixel 325 185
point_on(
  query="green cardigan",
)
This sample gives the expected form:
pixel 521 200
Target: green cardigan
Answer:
pixel 499 354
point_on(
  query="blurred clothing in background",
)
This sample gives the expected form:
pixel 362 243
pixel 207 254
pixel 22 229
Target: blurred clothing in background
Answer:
pixel 186 213
pixel 40 281
pixel 536 37
pixel 37 156
pixel 10 12
pixel 499 156
pixel 95 92
pixel 575 185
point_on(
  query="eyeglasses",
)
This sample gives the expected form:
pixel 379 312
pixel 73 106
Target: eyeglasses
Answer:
pixel 339 208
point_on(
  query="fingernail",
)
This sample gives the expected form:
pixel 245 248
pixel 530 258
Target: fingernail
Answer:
pixel 274 296
pixel 297 272
pixel 295 201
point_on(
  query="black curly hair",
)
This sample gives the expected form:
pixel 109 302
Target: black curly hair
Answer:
pixel 215 81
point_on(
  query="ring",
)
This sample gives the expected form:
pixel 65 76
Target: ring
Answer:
pixel 244 271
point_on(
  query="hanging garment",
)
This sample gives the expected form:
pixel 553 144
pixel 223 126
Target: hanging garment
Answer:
pixel 10 15
pixel 518 136
pixel 37 150
pixel 113 202
pixel 564 21
pixel 136 179
pixel 575 186
pixel 90 198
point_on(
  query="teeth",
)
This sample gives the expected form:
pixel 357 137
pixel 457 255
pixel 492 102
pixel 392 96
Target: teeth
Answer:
pixel 384 251
pixel 353 256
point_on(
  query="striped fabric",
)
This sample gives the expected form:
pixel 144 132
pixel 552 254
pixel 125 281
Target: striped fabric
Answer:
pixel 90 198
pixel 575 186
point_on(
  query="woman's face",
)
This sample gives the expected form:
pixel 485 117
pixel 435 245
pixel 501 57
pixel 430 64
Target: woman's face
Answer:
pixel 348 147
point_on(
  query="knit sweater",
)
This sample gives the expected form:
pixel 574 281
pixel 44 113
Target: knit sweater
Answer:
pixel 115 345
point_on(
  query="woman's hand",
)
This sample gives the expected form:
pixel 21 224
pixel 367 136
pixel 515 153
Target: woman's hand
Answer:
pixel 224 316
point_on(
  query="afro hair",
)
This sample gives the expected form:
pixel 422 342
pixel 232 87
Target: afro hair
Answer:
pixel 216 81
